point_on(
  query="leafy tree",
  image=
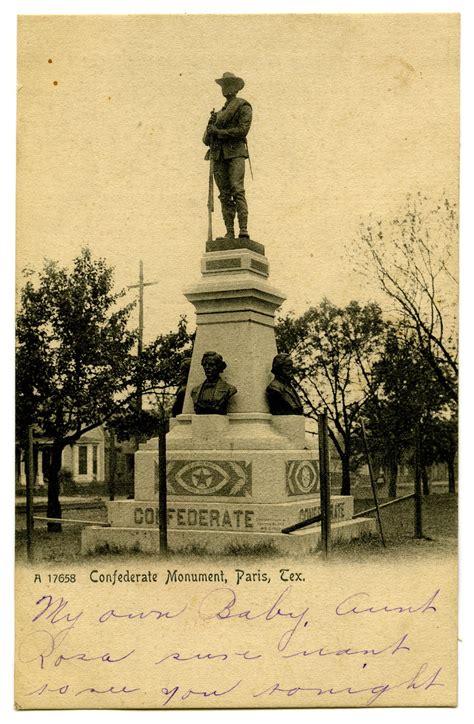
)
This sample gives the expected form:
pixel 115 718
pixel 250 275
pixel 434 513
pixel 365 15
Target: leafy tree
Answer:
pixel 334 349
pixel 408 395
pixel 160 361
pixel 158 373
pixel 439 445
pixel 132 423
pixel 76 367
pixel 413 258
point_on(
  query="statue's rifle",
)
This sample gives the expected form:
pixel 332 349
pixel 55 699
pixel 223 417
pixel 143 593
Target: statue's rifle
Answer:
pixel 248 156
pixel 210 197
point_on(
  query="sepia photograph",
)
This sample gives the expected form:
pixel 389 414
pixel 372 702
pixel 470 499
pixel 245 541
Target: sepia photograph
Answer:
pixel 236 441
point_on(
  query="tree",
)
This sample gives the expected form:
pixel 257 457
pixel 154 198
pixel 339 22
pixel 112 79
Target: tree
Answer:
pixel 408 394
pixel 73 356
pixel 160 361
pixel 413 257
pixel 439 445
pixel 76 367
pixel 333 349
pixel 157 372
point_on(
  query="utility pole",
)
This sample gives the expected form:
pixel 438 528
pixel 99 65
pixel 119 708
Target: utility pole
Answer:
pixel 140 286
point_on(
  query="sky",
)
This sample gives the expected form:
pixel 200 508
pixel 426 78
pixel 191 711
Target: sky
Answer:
pixel 351 113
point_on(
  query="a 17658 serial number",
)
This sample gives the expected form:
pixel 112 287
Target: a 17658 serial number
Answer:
pixel 61 577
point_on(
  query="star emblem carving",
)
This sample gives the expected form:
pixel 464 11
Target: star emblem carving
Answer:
pixel 202 478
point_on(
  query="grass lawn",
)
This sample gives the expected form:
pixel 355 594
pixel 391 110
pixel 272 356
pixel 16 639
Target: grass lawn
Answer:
pixel 439 527
pixel 440 514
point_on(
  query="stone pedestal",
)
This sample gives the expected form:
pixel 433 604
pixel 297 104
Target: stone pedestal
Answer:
pixel 235 313
pixel 238 478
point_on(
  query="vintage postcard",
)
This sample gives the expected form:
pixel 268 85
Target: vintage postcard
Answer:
pixel 236 444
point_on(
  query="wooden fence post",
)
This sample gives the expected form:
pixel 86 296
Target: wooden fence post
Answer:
pixel 418 487
pixel 325 483
pixel 372 482
pixel 162 505
pixel 30 481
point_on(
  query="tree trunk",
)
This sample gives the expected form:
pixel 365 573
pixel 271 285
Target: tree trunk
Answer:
pixel 346 475
pixel 392 477
pixel 451 474
pixel 425 479
pixel 54 506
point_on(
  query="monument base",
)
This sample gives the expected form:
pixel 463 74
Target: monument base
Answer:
pixel 225 516
pixel 234 482
pixel 97 540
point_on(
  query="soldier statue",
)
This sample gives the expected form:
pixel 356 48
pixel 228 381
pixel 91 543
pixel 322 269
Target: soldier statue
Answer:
pixel 226 135
pixel 281 394
pixel 212 396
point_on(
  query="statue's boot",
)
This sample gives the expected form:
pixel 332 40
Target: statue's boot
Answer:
pixel 228 216
pixel 243 233
pixel 242 215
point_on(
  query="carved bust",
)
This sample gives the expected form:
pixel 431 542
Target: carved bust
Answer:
pixel 212 396
pixel 281 394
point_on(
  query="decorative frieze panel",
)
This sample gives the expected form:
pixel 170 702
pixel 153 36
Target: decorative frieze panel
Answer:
pixel 302 477
pixel 208 477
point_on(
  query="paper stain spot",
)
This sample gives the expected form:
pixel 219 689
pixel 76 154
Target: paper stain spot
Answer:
pixel 109 98
pixel 401 72
pixel 55 82
pixel 50 60
pixel 405 71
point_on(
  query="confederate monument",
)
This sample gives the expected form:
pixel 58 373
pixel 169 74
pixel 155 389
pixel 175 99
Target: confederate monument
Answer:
pixel 240 467
pixel 226 135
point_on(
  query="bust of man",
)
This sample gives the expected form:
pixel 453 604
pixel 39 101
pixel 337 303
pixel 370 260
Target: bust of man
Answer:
pixel 281 394
pixel 213 395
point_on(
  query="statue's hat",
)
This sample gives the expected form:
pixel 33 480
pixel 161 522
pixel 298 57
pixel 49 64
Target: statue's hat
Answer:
pixel 231 78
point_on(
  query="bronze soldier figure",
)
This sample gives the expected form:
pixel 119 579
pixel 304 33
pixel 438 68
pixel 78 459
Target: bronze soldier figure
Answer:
pixel 226 135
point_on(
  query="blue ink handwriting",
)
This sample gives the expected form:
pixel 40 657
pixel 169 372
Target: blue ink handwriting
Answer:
pixel 221 602
pixel 178 656
pixel 375 691
pixel 344 608
pixel 53 611
pixel 170 693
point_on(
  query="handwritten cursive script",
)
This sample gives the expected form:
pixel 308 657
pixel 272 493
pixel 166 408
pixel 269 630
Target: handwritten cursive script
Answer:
pixel 221 644
pixel 221 605
pixel 353 605
pixel 375 691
